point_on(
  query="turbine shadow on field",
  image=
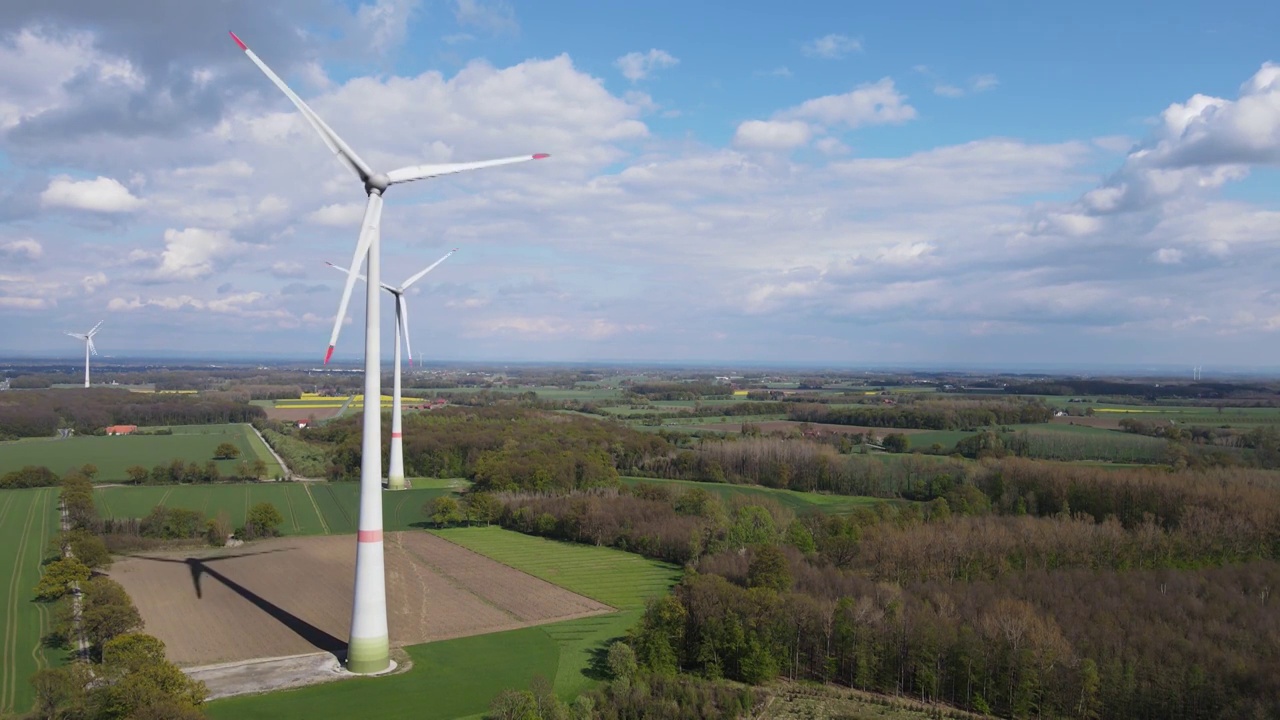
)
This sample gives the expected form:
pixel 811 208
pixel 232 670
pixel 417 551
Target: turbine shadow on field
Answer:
pixel 305 630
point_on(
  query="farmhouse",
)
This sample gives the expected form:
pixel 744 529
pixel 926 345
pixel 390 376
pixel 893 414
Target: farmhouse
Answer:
pixel 121 429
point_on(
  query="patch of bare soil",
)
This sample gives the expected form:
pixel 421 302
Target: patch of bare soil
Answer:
pixel 292 596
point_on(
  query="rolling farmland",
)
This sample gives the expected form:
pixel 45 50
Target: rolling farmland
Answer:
pixel 796 501
pixel 28 518
pixel 113 455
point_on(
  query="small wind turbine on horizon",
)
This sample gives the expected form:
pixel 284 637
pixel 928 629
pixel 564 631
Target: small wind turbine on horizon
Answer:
pixel 395 467
pixel 88 347
pixel 368 650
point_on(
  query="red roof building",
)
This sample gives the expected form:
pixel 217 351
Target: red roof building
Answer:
pixel 121 429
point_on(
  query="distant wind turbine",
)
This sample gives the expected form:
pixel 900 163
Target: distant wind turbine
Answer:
pixel 395 468
pixel 368 650
pixel 88 347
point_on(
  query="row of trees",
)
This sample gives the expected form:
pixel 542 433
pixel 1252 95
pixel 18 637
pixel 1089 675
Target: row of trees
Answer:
pixel 40 413
pixel 931 414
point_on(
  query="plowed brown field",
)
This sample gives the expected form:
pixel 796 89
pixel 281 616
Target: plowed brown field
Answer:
pixel 293 595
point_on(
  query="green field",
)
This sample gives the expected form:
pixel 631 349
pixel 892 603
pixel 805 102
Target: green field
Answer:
pixel 457 678
pixel 113 455
pixel 797 501
pixel 308 508
pixel 28 518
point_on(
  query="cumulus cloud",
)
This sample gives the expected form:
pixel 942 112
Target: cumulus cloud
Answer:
pixel 637 66
pixel 832 47
pixel 103 194
pixel 772 134
pixel 1168 256
pixel 193 253
pixel 1200 144
pixel 21 251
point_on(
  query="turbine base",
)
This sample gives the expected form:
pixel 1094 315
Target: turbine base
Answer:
pixel 366 656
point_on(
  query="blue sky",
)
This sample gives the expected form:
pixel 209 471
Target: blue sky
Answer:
pixel 825 183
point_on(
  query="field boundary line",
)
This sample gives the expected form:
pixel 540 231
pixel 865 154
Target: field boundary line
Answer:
pixel 41 612
pixel 9 686
pixel 341 510
pixel 292 515
pixel 165 497
pixel 316 505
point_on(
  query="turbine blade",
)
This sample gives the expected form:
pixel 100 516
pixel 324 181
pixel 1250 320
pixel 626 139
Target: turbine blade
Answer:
pixel 95 328
pixel 402 314
pixel 78 336
pixel 421 172
pixel 368 230
pixel 429 268
pixel 92 350
pixel 339 267
pixel 330 138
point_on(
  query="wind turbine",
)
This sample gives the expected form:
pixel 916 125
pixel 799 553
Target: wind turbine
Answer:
pixel 395 468
pixel 88 347
pixel 368 650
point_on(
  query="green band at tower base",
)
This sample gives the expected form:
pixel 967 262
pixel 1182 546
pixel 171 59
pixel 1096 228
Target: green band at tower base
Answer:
pixel 368 655
pixel 395 483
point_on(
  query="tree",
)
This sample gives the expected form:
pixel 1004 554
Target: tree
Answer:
pixel 514 705
pixel 60 692
pixel 444 510
pixel 263 520
pixel 218 529
pixel 138 475
pixel 226 451
pixel 483 507
pixel 106 611
pixel 143 683
pixel 89 470
pixel 59 577
pixel 622 660
pixel 258 468
pixel 768 569
pixel 88 549
pixel 896 443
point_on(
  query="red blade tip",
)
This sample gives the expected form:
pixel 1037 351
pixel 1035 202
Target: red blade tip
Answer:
pixel 328 355
pixel 238 41
pixel 539 156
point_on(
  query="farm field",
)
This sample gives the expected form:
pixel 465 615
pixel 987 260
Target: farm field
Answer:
pixel 112 455
pixel 459 677
pixel 28 519
pixel 308 508
pixel 292 595
pixel 795 500
pixel 768 426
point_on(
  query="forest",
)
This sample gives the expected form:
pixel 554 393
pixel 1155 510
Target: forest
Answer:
pixel 949 414
pixel 1027 589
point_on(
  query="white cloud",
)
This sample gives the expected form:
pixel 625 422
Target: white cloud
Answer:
pixel 869 104
pixel 946 90
pixel 637 66
pixel 288 269
pixel 831 146
pixel 1198 145
pixel 21 250
pixel 832 47
pixel 346 215
pixel 25 303
pixel 102 194
pixel 772 134
pixel 93 283
pixel 981 83
pixel 1168 256
pixel 494 16
pixel 385 22
pixel 193 253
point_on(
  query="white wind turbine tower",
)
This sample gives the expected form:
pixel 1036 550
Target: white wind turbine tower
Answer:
pixel 395 467
pixel 88 347
pixel 368 650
